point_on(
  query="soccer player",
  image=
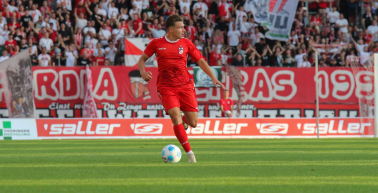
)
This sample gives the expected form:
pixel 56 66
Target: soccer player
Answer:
pixel 226 105
pixel 175 85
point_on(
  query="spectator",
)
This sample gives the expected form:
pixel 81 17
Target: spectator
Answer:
pixel 36 14
pixel 71 56
pixel 288 60
pixel 234 36
pixel 44 59
pixel 299 57
pixel 46 42
pixel 342 23
pixel 107 62
pixel 110 53
pixel 372 29
pixel 83 60
pixel 33 57
pixel 23 45
pixel 80 21
pixel 4 56
pixel 192 30
pixel 137 26
pixel 333 15
pixel 118 32
pixel 183 4
pixel 256 36
pixel 113 11
pixel 10 44
pixel 65 34
pixel 214 56
pixel 104 35
pixel 200 9
pixel 266 54
pixel 87 50
pixel 304 63
pixel 99 60
pixel 156 33
pixel 238 60
pixel 226 105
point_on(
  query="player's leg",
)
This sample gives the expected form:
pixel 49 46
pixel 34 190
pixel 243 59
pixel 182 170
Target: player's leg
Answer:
pixel 190 118
pixel 189 106
pixel 180 132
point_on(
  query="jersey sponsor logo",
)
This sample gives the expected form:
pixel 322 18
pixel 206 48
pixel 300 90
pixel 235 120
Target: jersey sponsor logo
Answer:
pixel 162 48
pixel 148 128
pixel 273 128
pixel 181 50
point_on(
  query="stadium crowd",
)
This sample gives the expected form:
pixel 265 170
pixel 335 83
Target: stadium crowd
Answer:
pixel 77 33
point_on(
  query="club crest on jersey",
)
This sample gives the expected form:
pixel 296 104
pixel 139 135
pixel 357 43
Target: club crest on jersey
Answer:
pixel 181 50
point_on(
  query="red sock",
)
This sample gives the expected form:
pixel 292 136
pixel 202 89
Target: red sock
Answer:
pixel 184 119
pixel 182 137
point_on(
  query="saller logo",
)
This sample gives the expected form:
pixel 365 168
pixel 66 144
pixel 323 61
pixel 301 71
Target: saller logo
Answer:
pixel 273 128
pixel 148 128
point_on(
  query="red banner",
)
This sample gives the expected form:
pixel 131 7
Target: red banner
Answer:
pixel 121 88
pixel 263 85
pixel 206 128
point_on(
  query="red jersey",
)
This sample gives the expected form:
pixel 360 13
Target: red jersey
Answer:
pixel 10 43
pixel 213 58
pixel 316 20
pixel 172 58
pixel 100 60
pixel 227 104
pixel 88 51
pixel 14 25
pixel 193 32
pixel 136 26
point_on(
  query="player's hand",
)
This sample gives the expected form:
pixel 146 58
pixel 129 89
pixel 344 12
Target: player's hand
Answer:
pixel 216 82
pixel 147 76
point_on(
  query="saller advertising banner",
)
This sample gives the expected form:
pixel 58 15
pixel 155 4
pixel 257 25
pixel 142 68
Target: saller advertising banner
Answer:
pixel 206 128
pixel 277 15
pixel 17 85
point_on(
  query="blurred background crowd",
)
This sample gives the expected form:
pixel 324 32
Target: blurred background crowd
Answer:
pixel 77 33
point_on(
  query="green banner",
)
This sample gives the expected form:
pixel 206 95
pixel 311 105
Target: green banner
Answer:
pixel 201 79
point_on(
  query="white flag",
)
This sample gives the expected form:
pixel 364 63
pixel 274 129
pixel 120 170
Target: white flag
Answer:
pixel 277 15
pixel 89 107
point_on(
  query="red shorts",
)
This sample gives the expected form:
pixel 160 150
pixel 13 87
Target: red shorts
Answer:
pixel 184 98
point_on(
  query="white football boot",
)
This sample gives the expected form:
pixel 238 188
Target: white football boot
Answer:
pixel 191 158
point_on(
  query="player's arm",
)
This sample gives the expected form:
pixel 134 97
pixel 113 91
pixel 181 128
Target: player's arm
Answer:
pixel 147 76
pixel 206 68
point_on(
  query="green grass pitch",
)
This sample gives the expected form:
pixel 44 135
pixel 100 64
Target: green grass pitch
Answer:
pixel 239 165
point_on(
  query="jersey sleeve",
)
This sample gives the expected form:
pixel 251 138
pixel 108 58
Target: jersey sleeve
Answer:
pixel 194 52
pixel 150 49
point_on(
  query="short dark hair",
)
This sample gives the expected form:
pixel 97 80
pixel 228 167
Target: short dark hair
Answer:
pixel 171 21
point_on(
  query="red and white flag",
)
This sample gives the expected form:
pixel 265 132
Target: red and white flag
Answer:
pixel 89 107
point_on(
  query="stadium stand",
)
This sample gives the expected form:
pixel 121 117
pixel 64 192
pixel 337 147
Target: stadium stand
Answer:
pixel 76 33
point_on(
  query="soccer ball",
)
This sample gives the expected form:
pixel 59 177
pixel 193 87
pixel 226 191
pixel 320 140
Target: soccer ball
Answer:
pixel 171 154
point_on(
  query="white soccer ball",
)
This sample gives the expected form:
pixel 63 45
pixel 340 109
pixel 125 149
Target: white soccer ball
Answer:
pixel 171 154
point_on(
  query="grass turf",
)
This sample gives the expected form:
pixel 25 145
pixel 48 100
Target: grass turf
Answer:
pixel 241 165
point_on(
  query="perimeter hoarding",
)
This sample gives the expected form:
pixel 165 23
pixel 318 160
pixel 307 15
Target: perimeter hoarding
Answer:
pixel 206 128
pixel 18 129
pixel 120 92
